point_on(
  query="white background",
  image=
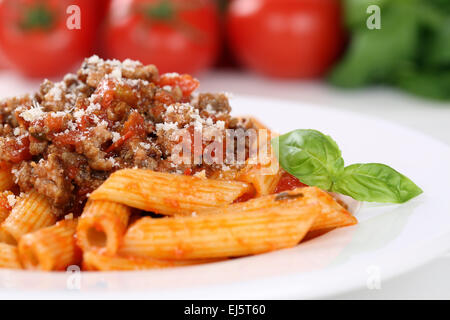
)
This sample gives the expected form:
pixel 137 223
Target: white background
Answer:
pixel 433 118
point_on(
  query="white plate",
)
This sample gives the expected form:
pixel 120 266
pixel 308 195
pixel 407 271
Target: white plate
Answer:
pixel 388 241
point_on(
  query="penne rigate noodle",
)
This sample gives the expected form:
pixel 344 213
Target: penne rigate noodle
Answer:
pixel 102 225
pixel 264 178
pixel 256 226
pixel 9 257
pixel 97 261
pixel 33 211
pixel 6 177
pixel 50 248
pixel 167 193
pixel 330 213
pixel 5 205
pixel 254 122
pixel 6 237
pixel 263 184
pixel 5 210
pixel 262 170
pixel 257 123
pixel 4 213
pixel 316 233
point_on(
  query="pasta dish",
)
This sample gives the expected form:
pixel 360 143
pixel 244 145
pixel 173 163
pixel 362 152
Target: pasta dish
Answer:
pixel 119 168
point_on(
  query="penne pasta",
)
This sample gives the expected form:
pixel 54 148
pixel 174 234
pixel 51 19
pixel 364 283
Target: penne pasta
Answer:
pixel 263 184
pixel 5 210
pixel 33 211
pixel 97 261
pixel 6 237
pixel 6 177
pixel 330 213
pixel 51 248
pixel 167 193
pixel 257 123
pixel 5 205
pixel 262 170
pixel 9 257
pixel 256 226
pixel 253 121
pixel 102 225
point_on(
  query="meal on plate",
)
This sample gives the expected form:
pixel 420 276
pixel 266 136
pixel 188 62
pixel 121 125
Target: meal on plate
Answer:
pixel 120 168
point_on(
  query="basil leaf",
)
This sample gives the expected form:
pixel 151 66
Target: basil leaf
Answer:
pixel 315 159
pixel 377 183
pixel 310 156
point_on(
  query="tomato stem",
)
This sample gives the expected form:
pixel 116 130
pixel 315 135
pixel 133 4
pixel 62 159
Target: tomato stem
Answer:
pixel 162 11
pixel 37 17
pixel 165 11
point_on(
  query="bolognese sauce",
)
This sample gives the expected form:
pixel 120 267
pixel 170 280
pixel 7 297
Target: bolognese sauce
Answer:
pixel 68 137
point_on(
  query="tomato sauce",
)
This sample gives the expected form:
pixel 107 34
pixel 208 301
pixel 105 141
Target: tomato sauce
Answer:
pixel 186 83
pixel 288 182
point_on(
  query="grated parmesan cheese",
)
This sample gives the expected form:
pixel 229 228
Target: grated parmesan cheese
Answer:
pixel 113 162
pixel 57 91
pixel 166 126
pixel 94 59
pixel 146 146
pixel 68 216
pixel 171 75
pixel 34 113
pixel 200 174
pixel 131 64
pixel 11 200
pixel 115 136
pixel 117 73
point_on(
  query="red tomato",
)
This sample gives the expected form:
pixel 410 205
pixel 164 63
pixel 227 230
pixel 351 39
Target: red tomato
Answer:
pixel 175 35
pixel 18 150
pixel 186 83
pixel 4 63
pixel 102 8
pixel 36 37
pixel 134 126
pixel 286 38
pixel 288 182
pixel 245 197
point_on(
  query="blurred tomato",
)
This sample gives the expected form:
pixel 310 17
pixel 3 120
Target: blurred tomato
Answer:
pixel 175 35
pixel 102 8
pixel 36 38
pixel 286 38
pixel 4 63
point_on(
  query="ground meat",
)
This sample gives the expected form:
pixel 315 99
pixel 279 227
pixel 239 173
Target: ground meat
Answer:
pixel 24 177
pixel 91 147
pixel 214 102
pixel 141 155
pixel 66 139
pixel 37 146
pixel 95 69
pixel 8 106
pixel 51 180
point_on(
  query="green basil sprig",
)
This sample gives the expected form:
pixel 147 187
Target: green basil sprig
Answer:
pixel 316 160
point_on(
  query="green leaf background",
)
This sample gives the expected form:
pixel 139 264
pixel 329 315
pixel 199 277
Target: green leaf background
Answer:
pixel 410 51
